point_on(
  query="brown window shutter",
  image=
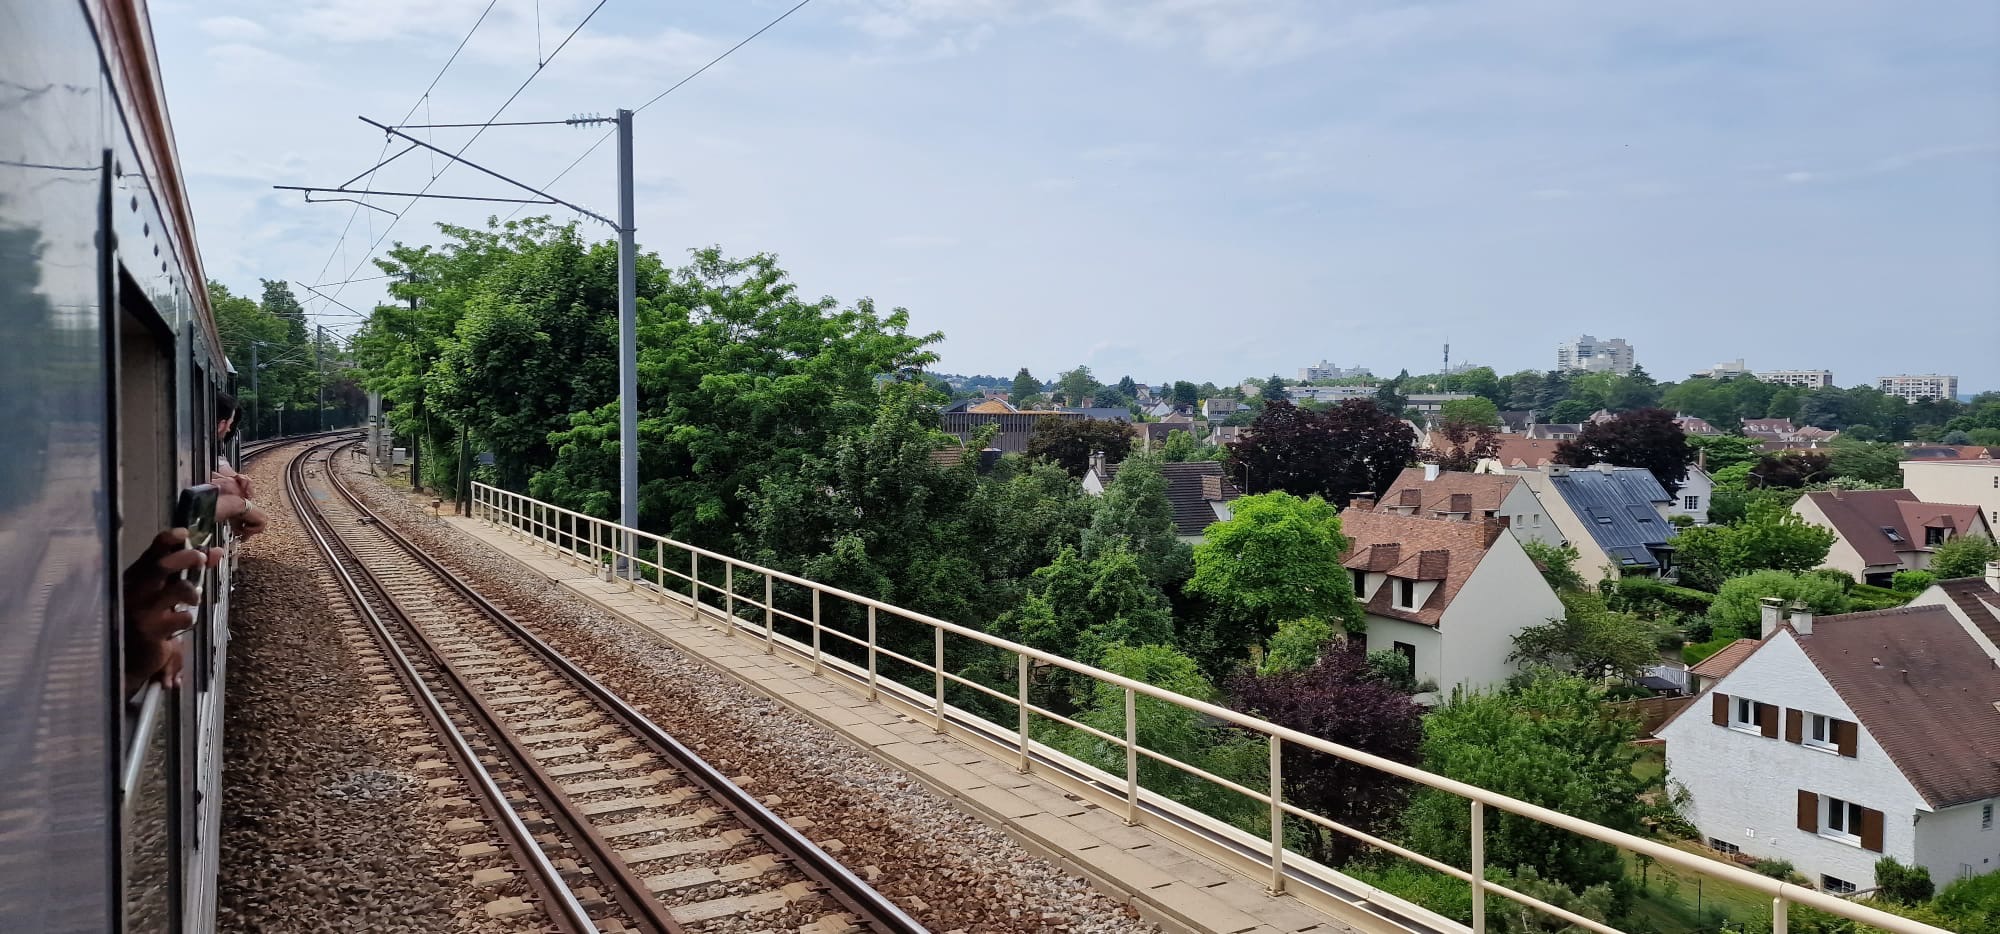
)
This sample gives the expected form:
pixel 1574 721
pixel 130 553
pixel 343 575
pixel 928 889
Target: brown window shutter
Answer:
pixel 1871 830
pixel 1721 704
pixel 1795 726
pixel 1846 735
pixel 1808 811
pixel 1767 720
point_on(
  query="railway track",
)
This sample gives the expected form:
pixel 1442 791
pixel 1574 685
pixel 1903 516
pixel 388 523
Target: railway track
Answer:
pixel 618 826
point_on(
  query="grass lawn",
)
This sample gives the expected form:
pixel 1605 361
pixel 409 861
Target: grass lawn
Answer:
pixel 1669 900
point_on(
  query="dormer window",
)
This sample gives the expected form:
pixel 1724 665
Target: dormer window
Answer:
pixel 1360 583
pixel 1935 537
pixel 1406 594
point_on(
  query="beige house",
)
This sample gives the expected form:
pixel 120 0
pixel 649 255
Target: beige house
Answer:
pixel 1615 517
pixel 1957 481
pixel 1880 532
pixel 1448 595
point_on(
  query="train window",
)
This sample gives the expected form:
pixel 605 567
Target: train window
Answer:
pixel 146 427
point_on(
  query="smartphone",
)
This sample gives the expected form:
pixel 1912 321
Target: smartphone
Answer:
pixel 196 513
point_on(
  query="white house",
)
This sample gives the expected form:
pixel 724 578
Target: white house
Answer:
pixel 1446 494
pixel 1844 739
pixel 1449 596
pixel 1199 492
pixel 1694 496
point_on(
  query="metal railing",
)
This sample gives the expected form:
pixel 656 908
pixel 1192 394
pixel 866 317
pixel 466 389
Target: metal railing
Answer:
pixel 672 570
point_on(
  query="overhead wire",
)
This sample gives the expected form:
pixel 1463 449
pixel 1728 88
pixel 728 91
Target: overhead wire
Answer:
pixel 421 100
pixel 489 122
pixel 675 87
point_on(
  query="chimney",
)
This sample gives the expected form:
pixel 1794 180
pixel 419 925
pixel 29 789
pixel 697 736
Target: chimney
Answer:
pixel 1461 505
pixel 1701 458
pixel 1496 526
pixel 1097 462
pixel 1774 613
pixel 1211 488
pixel 1802 619
pixel 1605 468
pixel 1430 472
pixel 1993 576
pixel 1558 470
pixel 1363 502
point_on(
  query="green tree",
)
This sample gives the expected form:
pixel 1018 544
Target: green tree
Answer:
pixel 1878 463
pixel 1078 608
pixel 1904 885
pixel 1127 387
pixel 1185 393
pixel 1025 385
pixel 1477 412
pixel 1963 556
pixel 1069 443
pixel 1274 388
pixel 1135 515
pixel 1589 640
pixel 1557 564
pixel 1738 608
pixel 1770 536
pixel 1180 447
pixel 1166 728
pixel 1641 438
pixel 1077 385
pixel 1571 412
pixel 1725 451
pixel 1552 744
pixel 1296 645
pixel 1276 559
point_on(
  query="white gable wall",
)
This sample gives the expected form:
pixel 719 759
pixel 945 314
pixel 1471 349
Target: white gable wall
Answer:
pixel 1743 788
pixel 1527 518
pixel 1504 595
pixel 1842 555
pixel 1951 842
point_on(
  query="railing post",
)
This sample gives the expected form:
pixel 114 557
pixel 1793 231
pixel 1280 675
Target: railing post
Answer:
pixel 694 582
pixel 770 619
pixel 815 630
pixel 1021 701
pixel 729 593
pixel 937 682
pixel 1780 921
pixel 1478 868
pixel 1277 885
pixel 1131 758
pixel 871 650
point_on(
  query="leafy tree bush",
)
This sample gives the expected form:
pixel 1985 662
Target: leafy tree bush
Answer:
pixel 1643 438
pixel 1338 698
pixel 1134 514
pixel 1963 556
pixel 1738 608
pixel 1394 669
pixel 1790 470
pixel 1912 582
pixel 1775 868
pixel 1297 645
pixel 1169 729
pixel 1180 447
pixel 1904 885
pixel 1768 537
pixel 1354 447
pixel 1553 744
pixel 1588 639
pixel 1069 442
pixel 1276 559
pixel 1025 386
pixel 1557 564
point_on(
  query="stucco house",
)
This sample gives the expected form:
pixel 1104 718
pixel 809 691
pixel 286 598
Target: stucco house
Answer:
pixel 1844 739
pixel 1447 595
pixel 1615 517
pixel 1879 532
pixel 1975 481
pixel 1693 498
pixel 1446 494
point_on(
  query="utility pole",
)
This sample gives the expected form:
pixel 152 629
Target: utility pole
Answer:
pixel 320 371
pixel 256 398
pixel 417 443
pixel 628 338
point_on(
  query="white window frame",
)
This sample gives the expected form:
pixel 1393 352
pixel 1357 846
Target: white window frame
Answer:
pixel 1742 721
pixel 1822 724
pixel 1836 886
pixel 1850 830
pixel 1405 588
pixel 1690 503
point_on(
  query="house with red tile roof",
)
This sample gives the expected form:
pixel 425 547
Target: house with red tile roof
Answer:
pixel 1447 595
pixel 1840 740
pixel 1880 532
pixel 1470 497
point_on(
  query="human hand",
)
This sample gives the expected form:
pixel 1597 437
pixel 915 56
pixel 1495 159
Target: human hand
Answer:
pixel 158 603
pixel 251 521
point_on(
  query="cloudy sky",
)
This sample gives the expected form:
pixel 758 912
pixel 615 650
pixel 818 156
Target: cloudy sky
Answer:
pixel 1201 189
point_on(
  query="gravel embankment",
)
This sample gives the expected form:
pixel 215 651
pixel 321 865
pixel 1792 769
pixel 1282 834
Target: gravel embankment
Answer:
pixel 324 826
pixel 948 869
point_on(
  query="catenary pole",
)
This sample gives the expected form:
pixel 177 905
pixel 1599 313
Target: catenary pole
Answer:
pixel 628 338
pixel 320 370
pixel 256 398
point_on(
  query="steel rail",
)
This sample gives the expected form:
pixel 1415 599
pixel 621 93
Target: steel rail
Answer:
pixel 872 909
pixel 546 879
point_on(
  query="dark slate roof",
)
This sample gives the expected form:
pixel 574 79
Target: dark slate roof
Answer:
pixel 1978 601
pixel 1924 689
pixel 1617 507
pixel 1193 505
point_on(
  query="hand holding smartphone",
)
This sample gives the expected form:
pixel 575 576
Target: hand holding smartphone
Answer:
pixel 196 512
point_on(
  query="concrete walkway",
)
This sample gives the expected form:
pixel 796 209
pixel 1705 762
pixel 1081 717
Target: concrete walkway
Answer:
pixel 1166 882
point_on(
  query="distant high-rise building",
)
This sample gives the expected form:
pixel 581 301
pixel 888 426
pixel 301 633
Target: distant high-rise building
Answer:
pixel 1325 370
pixel 1914 388
pixel 1587 354
pixel 1729 370
pixel 1804 379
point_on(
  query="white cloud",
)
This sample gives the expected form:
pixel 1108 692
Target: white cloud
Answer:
pixel 233 29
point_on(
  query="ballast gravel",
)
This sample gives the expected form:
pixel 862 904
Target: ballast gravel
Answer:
pixel 946 868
